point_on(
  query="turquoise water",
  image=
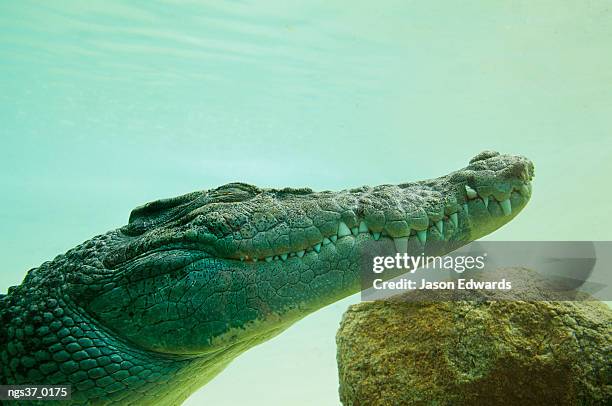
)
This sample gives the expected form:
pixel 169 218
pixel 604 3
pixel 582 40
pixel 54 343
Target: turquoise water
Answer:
pixel 107 105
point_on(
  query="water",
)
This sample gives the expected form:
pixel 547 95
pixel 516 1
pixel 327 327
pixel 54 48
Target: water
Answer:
pixel 106 105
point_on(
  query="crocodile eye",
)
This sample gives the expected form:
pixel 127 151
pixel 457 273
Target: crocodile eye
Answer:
pixel 484 155
pixel 233 192
pixel 152 214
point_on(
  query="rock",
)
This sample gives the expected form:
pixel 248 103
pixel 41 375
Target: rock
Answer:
pixel 476 353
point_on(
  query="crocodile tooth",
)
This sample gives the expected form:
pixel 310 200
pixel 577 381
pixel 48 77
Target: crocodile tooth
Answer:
pixel 401 244
pixel 242 258
pixel 422 236
pixel 465 208
pixel 317 247
pixel 362 227
pixel 255 259
pixel 440 226
pixel 455 219
pixel 343 230
pixel 485 200
pixel 300 253
pixel 333 238
pixel 376 236
pixel 326 241
pixel 284 257
pixel 506 207
pixel 471 193
pixel 275 258
pixel 355 231
pixel 268 259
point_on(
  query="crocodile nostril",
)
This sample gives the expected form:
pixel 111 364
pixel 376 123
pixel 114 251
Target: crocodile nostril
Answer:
pixel 484 155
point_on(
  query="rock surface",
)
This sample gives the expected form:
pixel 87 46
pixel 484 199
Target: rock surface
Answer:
pixel 476 353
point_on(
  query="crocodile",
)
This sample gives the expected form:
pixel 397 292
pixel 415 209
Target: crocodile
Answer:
pixel 152 311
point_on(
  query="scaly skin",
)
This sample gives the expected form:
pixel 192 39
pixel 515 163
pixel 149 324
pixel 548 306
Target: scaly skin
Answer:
pixel 150 312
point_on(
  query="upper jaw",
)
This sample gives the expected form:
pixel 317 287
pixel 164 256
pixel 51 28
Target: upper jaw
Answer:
pixel 447 223
pixel 275 225
pixel 434 210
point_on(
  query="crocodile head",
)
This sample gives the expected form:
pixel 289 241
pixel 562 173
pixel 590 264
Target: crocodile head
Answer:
pixel 233 266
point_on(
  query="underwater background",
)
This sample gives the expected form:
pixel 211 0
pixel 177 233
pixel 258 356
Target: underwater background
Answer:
pixel 106 105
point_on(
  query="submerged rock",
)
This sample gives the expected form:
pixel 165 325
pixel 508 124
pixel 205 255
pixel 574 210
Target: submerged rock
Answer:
pixel 473 352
